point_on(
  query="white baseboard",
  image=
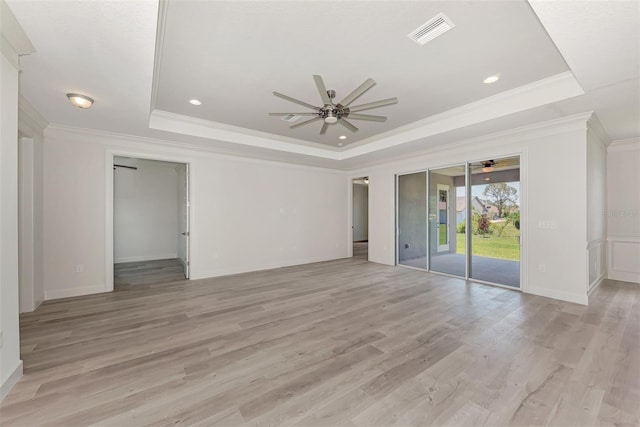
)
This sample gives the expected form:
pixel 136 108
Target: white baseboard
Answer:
pixel 257 267
pixel 145 258
pixel 597 283
pixel 552 293
pixel 73 292
pixel 11 380
pixel 624 276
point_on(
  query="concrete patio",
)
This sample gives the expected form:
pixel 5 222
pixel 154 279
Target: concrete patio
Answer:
pixel 494 270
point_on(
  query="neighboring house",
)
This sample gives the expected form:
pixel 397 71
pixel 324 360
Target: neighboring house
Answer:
pixel 476 204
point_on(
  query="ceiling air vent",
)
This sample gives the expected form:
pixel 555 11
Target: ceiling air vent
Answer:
pixel 291 118
pixel 428 31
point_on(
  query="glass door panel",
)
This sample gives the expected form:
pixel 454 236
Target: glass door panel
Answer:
pixel 412 220
pixel 495 221
pixel 447 213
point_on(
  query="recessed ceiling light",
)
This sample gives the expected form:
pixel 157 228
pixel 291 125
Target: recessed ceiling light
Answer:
pixel 487 179
pixel 491 79
pixel 340 144
pixel 342 137
pixel 194 102
pixel 80 101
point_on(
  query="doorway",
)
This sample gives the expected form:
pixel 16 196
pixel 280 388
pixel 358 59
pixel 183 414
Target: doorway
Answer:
pixel 150 221
pixel 360 217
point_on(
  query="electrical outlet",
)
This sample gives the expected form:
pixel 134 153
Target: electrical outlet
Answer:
pixel 542 268
pixel 79 268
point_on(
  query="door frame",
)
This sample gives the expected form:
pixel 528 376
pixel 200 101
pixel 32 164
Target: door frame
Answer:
pixel 110 154
pixel 524 181
pixel 350 213
pixel 443 187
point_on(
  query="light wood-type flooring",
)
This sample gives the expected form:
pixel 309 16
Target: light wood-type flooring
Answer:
pixel 147 272
pixel 345 342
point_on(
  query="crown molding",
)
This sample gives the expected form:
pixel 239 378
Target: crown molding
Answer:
pixel 15 42
pixel 573 123
pixel 594 125
pixel 625 144
pixel 163 6
pixel 29 116
pixel 187 125
pixel 133 143
pixel 542 92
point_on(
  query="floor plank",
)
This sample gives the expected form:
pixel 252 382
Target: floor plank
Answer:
pixel 344 342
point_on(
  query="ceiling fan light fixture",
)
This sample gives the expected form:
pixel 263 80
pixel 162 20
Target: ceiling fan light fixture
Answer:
pixel 331 118
pixel 487 169
pixel 80 101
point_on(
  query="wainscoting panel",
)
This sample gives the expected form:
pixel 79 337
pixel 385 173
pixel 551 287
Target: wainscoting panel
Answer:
pixel 624 259
pixel 597 262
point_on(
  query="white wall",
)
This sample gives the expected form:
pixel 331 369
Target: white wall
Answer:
pixel 14 43
pixel 31 186
pixel 247 214
pixel 360 212
pixel 145 216
pixel 623 209
pixel 554 226
pixel 596 206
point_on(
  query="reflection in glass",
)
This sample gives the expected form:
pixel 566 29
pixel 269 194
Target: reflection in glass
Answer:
pixel 412 220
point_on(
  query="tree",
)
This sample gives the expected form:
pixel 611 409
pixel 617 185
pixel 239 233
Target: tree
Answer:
pixel 501 195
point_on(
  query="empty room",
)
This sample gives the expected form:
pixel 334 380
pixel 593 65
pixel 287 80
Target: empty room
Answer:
pixel 320 213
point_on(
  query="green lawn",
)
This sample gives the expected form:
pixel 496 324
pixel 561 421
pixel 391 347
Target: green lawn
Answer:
pixel 505 246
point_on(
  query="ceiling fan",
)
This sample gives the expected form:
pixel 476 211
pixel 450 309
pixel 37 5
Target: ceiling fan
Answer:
pixel 490 165
pixel 331 113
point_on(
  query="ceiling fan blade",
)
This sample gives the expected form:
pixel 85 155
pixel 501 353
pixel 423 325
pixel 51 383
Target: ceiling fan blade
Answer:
pixel 323 130
pixel 296 101
pixel 375 104
pixel 294 114
pixel 348 125
pixel 369 117
pixel 358 92
pixel 306 122
pixel 322 89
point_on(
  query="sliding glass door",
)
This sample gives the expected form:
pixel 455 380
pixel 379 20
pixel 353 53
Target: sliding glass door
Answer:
pixel 462 220
pixel 412 220
pixel 495 243
pixel 446 218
